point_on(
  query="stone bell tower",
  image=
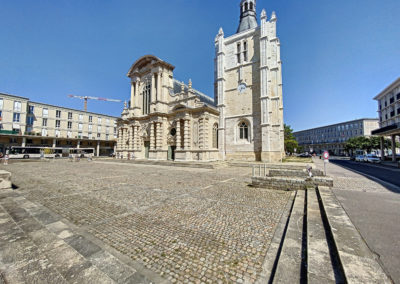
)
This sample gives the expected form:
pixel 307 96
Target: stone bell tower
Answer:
pixel 248 89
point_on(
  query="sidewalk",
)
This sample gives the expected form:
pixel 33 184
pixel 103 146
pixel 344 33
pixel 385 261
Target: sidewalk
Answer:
pixel 374 210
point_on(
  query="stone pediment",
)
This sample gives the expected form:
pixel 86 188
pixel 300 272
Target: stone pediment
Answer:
pixel 146 62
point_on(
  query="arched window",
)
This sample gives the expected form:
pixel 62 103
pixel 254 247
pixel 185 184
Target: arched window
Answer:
pixel 246 6
pixel 243 131
pixel 215 136
pixel 251 6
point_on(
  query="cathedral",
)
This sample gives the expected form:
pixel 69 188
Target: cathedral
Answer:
pixel 169 120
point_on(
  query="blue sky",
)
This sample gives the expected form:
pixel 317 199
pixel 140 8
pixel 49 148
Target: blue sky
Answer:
pixel 337 55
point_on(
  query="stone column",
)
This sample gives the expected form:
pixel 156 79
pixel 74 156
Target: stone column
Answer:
pixel 205 133
pixel 137 137
pixel 186 136
pixel 98 149
pixel 23 142
pixel 133 137
pixel 394 148
pixel 159 135
pixel 153 89
pixel 178 134
pixel 119 141
pixel 130 139
pixel 132 95
pixel 201 133
pixel 382 148
pixel 152 141
pixel 137 91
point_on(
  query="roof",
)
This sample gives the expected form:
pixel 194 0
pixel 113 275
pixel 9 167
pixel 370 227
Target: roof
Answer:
pixel 145 60
pixel 247 23
pixel 335 124
pixel 388 89
pixel 203 98
pixel 18 97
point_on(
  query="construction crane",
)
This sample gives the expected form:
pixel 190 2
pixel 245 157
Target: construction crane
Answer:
pixel 86 98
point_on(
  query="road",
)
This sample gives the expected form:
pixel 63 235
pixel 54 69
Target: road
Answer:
pixel 387 174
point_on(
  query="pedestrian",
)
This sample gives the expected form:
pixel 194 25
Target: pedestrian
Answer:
pixel 6 157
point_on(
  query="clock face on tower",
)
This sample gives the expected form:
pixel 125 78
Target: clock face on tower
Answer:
pixel 242 87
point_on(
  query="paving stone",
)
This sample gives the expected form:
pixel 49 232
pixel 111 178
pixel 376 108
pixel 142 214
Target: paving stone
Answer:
pixel 169 224
pixel 82 245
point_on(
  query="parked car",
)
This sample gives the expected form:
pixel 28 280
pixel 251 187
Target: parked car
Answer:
pixel 371 158
pixel 359 158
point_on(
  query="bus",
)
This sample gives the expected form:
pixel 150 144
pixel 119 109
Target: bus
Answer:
pixel 17 152
pixel 82 152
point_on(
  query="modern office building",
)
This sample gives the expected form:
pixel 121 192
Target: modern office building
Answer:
pixel 27 123
pixel 389 114
pixel 333 137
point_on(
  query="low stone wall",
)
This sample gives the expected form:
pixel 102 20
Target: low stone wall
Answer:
pixel 291 183
pixel 293 173
pixel 5 180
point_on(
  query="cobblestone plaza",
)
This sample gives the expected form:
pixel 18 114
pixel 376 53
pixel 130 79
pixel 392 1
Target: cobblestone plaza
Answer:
pixel 154 224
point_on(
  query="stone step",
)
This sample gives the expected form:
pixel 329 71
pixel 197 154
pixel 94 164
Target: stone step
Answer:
pixel 359 264
pixel 319 262
pixel 41 237
pixel 291 265
pixel 290 183
pixel 205 165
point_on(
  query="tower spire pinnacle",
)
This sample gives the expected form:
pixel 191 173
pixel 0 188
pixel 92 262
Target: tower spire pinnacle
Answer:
pixel 248 16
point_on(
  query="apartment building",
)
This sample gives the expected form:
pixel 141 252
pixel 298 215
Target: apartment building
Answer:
pixel 389 114
pixel 333 137
pixel 27 123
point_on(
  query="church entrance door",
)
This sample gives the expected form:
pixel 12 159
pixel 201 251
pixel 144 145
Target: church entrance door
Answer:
pixel 146 149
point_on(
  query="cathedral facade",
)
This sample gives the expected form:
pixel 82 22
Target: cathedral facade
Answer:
pixel 167 119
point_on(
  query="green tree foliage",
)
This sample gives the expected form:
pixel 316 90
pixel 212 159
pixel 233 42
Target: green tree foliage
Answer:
pixel 366 143
pixel 290 141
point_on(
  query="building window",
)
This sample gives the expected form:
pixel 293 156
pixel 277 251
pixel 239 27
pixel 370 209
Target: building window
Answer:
pixel 69 135
pixel 80 117
pixel 80 126
pixel 29 120
pixel 31 109
pixel 107 121
pixel 58 123
pixel 90 118
pixel 69 124
pixel 107 129
pixel 79 134
pixel 45 112
pixel 90 136
pixel 251 5
pixel 57 133
pixel 246 6
pixel 98 135
pixel 1 103
pixel 147 97
pixel 243 131
pixel 99 128
pixel 215 136
pixel 99 120
pixel 70 115
pixel 58 113
pixel 239 50
pixel 17 106
pixel 16 117
pixel 245 51
pixel 44 122
pixel 107 136
pixel 44 132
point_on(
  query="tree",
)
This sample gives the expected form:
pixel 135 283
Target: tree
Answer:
pixel 290 140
